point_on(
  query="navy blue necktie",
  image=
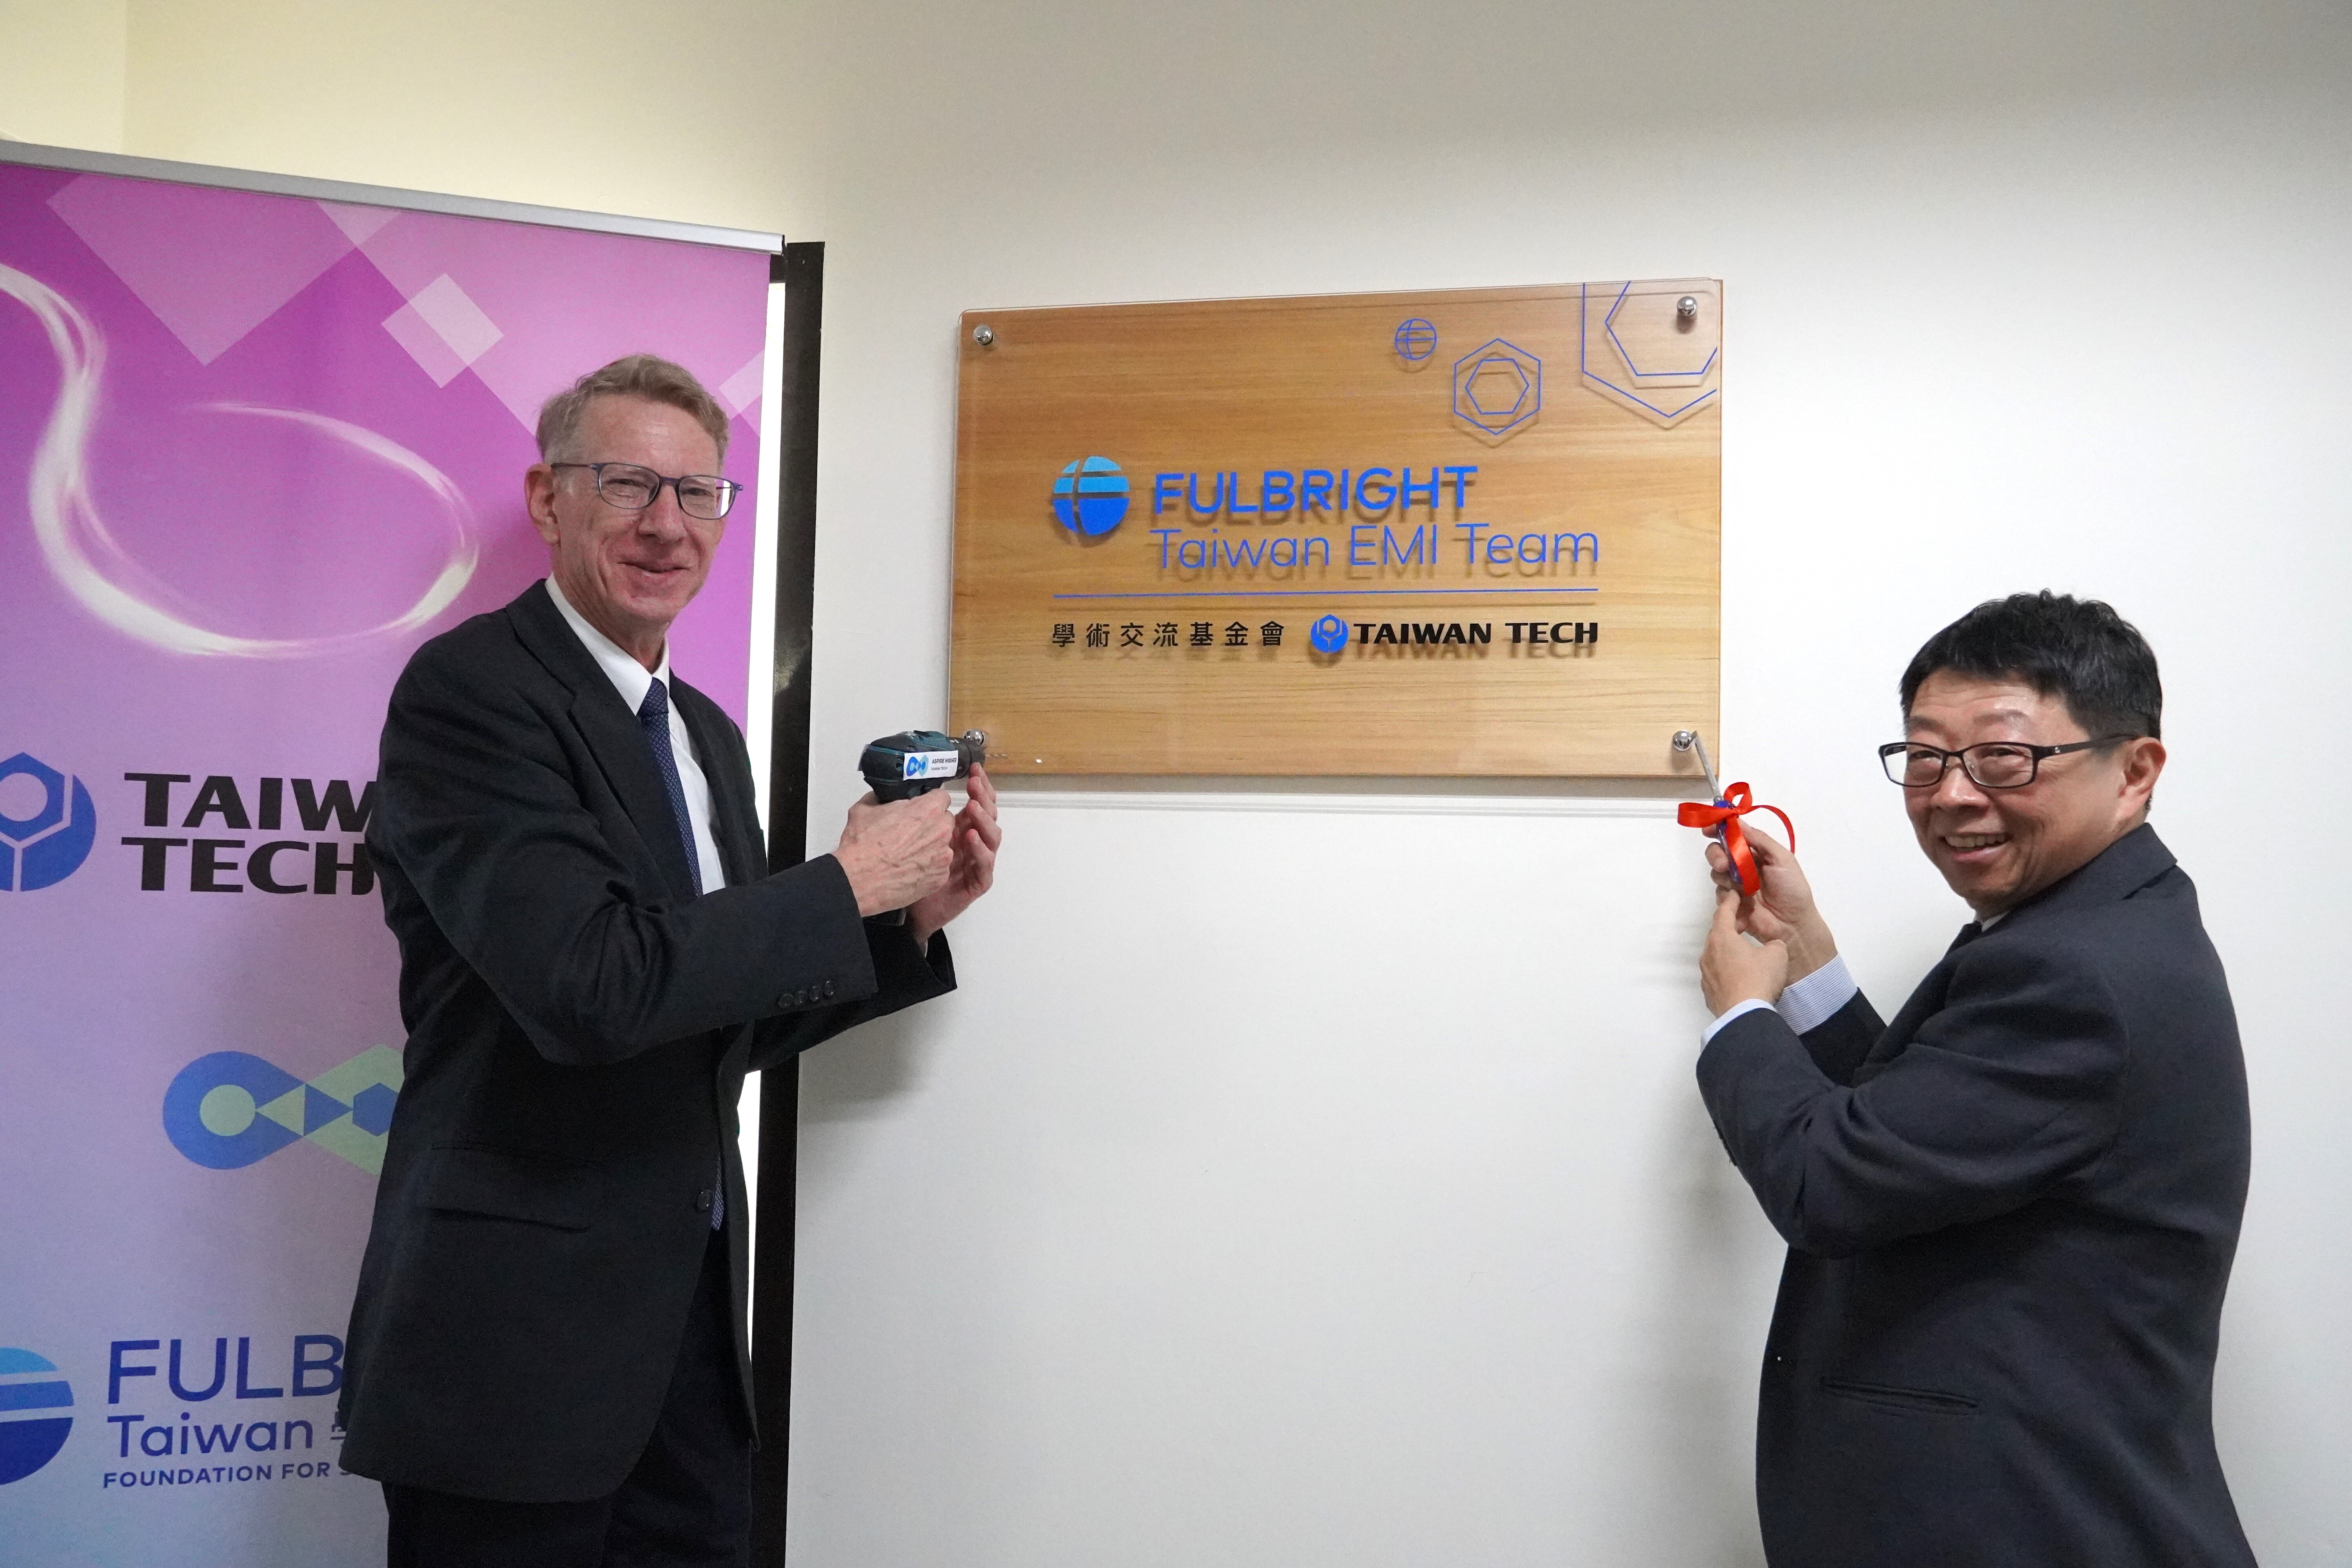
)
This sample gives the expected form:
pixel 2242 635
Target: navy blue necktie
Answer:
pixel 653 717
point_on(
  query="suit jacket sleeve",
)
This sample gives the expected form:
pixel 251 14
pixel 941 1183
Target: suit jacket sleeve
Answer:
pixel 904 974
pixel 1839 1043
pixel 481 808
pixel 2003 1092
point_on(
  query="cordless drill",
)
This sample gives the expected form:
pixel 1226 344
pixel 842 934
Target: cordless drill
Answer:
pixel 917 762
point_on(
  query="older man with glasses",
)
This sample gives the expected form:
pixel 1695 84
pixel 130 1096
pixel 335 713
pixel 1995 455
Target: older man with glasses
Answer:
pixel 547 1358
pixel 2010 1212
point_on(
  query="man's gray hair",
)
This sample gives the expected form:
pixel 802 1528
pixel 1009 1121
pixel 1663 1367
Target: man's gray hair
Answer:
pixel 649 376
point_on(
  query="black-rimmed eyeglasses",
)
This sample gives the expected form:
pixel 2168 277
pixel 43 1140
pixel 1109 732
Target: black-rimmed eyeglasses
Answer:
pixel 1989 764
pixel 633 488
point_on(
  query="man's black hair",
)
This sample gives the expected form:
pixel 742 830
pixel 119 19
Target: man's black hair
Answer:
pixel 2079 650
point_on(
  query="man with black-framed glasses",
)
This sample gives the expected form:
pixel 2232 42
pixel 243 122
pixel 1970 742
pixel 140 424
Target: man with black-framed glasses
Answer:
pixel 2012 1211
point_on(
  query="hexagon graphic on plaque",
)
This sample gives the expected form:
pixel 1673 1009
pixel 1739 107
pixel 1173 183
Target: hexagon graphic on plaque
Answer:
pixel 1498 388
pixel 1654 348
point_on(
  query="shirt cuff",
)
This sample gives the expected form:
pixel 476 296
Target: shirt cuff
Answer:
pixel 1737 1009
pixel 1806 1005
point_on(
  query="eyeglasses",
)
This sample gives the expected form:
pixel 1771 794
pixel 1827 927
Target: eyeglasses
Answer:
pixel 633 489
pixel 1989 764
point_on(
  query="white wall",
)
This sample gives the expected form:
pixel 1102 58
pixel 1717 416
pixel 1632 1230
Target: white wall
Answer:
pixel 1298 1181
pixel 61 72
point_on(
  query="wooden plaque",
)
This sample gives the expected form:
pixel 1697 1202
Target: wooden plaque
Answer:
pixel 1471 533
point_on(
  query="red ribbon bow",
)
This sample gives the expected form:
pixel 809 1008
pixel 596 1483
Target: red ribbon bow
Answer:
pixel 1721 822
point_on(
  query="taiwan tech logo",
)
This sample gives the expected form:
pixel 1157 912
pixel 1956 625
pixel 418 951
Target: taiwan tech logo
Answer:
pixel 47 824
pixel 36 1413
pixel 1090 497
pixel 229 1109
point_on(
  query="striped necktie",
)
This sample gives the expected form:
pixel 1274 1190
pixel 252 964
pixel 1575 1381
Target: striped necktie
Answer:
pixel 653 717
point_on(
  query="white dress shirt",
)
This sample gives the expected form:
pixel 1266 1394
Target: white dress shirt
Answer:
pixel 633 680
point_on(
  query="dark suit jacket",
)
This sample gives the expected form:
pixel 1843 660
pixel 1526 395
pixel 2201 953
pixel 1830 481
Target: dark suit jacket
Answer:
pixel 579 1027
pixel 2010 1216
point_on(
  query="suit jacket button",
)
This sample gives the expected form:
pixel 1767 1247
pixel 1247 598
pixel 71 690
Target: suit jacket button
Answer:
pixel 702 1200
pixel 828 987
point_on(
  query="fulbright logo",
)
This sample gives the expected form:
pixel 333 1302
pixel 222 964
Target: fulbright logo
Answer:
pixel 1090 497
pixel 229 1109
pixel 47 825
pixel 36 1413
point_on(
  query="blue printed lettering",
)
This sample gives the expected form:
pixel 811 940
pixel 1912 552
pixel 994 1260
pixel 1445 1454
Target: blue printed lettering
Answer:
pixel 117 1369
pixel 329 1367
pixel 244 1389
pixel 220 1373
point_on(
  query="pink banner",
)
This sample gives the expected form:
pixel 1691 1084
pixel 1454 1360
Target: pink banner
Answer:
pixel 253 450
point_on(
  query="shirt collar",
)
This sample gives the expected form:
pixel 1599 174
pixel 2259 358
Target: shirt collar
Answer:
pixel 629 678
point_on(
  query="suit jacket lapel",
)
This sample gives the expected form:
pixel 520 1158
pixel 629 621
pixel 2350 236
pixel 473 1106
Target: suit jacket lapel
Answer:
pixel 610 731
pixel 2124 866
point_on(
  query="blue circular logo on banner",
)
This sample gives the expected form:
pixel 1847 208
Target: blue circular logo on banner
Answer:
pixel 36 1413
pixel 1328 635
pixel 1416 340
pixel 1090 496
pixel 213 1111
pixel 46 825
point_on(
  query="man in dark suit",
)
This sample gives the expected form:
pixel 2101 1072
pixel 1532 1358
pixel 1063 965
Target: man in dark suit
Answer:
pixel 2011 1213
pixel 547 1362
